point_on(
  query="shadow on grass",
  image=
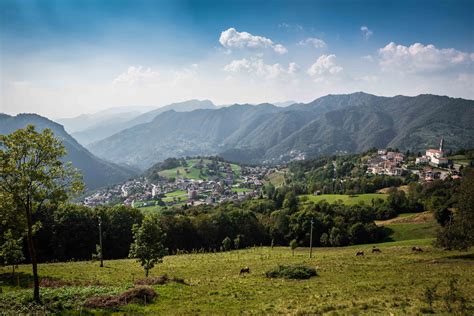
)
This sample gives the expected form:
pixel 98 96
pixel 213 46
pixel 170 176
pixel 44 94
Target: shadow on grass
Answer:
pixel 468 256
pixel 387 232
pixel 20 279
pixel 25 280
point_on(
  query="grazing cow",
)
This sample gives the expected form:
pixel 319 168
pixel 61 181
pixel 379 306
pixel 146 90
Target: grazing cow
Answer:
pixel 244 270
pixel 417 249
pixel 375 249
pixel 359 253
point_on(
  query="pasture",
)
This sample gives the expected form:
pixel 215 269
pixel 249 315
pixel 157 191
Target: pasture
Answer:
pixel 345 198
pixel 393 281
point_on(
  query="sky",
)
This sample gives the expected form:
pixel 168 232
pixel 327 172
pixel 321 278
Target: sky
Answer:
pixel 64 58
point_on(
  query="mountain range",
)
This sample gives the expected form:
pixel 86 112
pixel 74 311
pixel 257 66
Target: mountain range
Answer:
pixel 267 133
pixel 95 171
pixel 89 128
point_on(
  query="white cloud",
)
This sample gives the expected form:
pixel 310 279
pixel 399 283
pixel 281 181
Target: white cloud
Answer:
pixel 231 38
pixel 256 66
pixel 366 32
pixel 420 58
pixel 315 42
pixel 324 66
pixel 136 75
pixel 293 68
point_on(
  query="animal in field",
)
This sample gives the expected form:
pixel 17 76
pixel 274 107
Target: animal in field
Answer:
pixel 359 253
pixel 416 249
pixel 244 270
pixel 376 250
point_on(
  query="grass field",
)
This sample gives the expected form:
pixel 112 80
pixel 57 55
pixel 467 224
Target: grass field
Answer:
pixel 276 178
pixel 390 282
pixel 346 199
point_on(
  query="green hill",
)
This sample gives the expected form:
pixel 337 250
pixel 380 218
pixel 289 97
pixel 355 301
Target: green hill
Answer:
pixel 96 172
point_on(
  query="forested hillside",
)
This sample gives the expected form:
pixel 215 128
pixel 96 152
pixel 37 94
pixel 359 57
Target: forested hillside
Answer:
pixel 332 124
pixel 96 172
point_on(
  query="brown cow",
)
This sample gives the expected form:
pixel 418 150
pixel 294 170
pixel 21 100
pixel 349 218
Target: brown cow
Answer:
pixel 375 249
pixel 359 253
pixel 417 249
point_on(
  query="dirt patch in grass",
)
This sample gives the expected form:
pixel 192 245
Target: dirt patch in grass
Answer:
pixel 136 295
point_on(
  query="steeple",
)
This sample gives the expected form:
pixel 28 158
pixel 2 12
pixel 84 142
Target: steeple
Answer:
pixel 441 145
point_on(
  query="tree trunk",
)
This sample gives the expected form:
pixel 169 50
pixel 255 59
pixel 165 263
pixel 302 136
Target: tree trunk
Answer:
pixel 146 273
pixel 32 251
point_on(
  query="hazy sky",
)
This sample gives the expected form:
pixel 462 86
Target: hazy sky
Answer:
pixel 62 58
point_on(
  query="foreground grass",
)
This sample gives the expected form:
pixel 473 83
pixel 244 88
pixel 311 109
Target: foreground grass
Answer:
pixel 345 198
pixel 393 281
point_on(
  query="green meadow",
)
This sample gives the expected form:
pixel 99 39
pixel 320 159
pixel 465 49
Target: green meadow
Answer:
pixel 390 282
pixel 345 198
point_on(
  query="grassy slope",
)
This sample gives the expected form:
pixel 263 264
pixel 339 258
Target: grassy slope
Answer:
pixel 346 199
pixel 410 226
pixel 276 178
pixel 346 284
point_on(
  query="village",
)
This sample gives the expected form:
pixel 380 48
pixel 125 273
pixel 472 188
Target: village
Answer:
pixel 432 165
pixel 202 182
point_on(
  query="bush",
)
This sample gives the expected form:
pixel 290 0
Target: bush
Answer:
pixel 291 272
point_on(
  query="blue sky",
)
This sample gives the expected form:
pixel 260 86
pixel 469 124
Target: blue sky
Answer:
pixel 62 58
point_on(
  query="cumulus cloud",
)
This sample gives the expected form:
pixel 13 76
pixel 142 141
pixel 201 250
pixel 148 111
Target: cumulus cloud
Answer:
pixel 366 32
pixel 231 38
pixel 136 75
pixel 293 68
pixel 315 42
pixel 325 66
pixel 256 66
pixel 421 58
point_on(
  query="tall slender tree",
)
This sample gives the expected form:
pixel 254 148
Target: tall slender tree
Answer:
pixel 32 175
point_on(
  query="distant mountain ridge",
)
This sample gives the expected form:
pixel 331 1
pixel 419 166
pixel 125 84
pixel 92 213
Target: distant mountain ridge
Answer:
pixel 89 128
pixel 328 125
pixel 96 172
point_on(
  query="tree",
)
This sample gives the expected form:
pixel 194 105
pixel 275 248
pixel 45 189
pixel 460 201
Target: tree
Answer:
pixel 32 176
pixel 147 246
pixel 458 232
pixel 324 240
pixel 358 233
pixel 226 244
pixel 11 251
pixel 293 246
pixel 238 241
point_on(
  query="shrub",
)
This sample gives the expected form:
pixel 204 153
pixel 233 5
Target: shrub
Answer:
pixel 291 272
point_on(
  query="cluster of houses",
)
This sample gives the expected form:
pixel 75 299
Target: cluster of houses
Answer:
pixel 223 185
pixel 386 162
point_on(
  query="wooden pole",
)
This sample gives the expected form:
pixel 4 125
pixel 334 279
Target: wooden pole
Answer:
pixel 311 240
pixel 100 242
